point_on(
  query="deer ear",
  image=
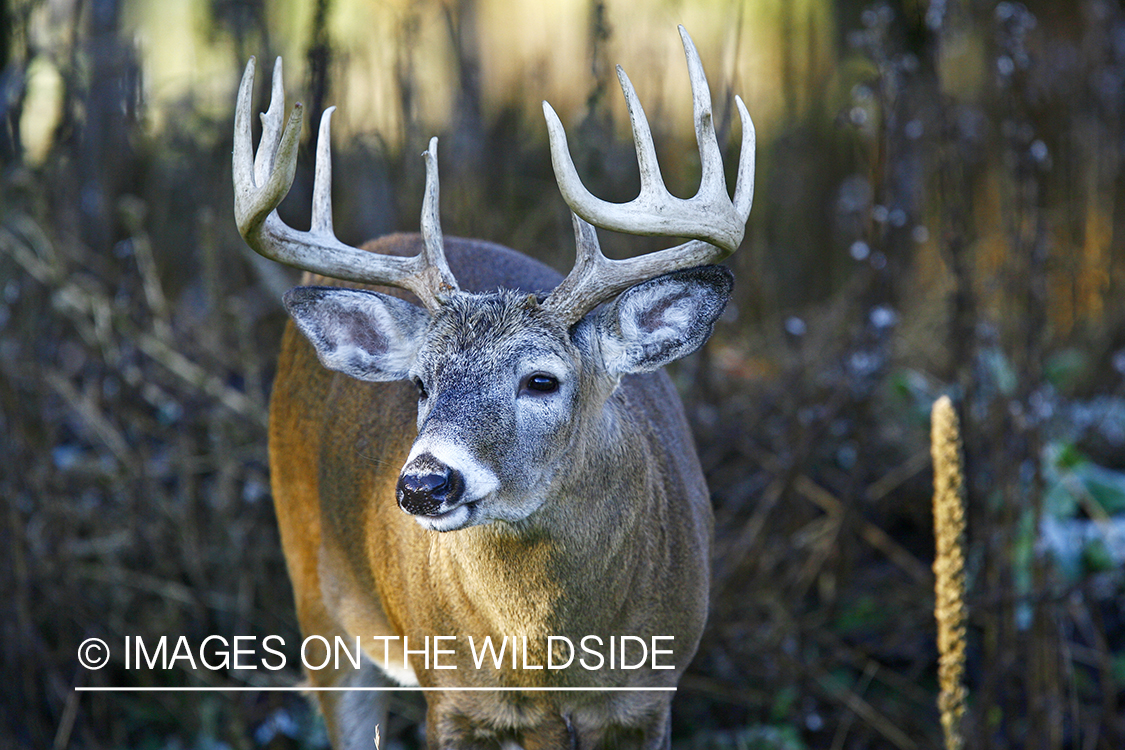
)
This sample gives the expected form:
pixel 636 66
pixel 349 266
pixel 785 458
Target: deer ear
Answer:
pixel 366 335
pixel 663 319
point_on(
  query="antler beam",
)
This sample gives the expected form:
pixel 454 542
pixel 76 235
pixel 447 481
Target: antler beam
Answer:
pixel 711 217
pixel 262 180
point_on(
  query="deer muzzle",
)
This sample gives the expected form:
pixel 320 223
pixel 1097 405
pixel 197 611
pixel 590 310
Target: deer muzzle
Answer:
pixel 428 487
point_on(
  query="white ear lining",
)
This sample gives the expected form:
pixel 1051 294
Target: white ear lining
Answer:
pixel 662 320
pixel 357 332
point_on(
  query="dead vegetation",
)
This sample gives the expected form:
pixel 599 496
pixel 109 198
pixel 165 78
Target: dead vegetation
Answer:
pixel 953 222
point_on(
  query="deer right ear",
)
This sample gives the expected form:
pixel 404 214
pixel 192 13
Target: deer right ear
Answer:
pixel 367 335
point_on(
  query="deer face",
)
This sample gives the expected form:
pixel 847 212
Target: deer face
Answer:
pixel 499 384
pixel 505 388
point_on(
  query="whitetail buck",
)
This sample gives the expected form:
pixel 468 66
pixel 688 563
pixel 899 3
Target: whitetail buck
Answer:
pixel 543 472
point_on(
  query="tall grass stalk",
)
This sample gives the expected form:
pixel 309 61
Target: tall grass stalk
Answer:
pixel 949 568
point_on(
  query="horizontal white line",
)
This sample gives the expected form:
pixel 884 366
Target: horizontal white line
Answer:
pixel 296 689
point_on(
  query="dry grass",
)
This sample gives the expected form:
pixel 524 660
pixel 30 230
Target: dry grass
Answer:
pixel 949 569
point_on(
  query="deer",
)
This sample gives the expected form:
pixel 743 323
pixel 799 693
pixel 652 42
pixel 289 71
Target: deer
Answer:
pixel 465 445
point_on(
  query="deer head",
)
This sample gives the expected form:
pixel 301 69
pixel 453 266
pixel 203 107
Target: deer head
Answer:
pixel 507 382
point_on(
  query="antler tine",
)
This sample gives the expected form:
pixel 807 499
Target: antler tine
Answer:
pixel 712 182
pixel 433 242
pixel 243 160
pixel 271 127
pixel 710 217
pixel 261 181
pixel 744 181
pixel 592 279
pixel 322 178
pixel 652 184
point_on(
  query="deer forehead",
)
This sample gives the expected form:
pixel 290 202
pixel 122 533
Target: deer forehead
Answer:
pixel 500 329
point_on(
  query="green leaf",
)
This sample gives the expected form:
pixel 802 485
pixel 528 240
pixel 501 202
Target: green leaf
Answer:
pixel 1106 486
pixel 1096 557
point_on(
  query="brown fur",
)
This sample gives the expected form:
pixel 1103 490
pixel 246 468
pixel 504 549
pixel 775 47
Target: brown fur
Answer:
pixel 624 552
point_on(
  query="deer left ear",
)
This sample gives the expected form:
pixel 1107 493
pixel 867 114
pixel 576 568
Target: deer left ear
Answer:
pixel 663 319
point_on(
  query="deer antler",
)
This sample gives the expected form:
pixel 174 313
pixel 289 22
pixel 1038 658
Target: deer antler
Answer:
pixel 261 181
pixel 710 217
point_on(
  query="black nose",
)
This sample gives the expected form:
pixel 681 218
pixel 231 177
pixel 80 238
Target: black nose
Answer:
pixel 430 493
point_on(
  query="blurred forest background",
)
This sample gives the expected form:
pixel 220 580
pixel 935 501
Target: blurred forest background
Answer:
pixel 940 209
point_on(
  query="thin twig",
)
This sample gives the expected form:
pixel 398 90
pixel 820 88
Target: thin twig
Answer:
pixel 868 531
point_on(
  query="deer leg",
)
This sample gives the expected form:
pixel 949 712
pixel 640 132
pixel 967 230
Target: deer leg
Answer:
pixel 352 715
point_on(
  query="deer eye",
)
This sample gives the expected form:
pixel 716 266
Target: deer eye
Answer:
pixel 422 394
pixel 540 382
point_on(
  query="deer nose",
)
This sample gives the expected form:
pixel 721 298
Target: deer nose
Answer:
pixel 430 492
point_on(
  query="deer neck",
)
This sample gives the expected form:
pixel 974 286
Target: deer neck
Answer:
pixel 573 558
